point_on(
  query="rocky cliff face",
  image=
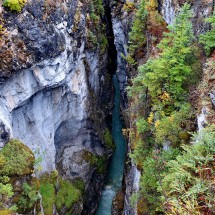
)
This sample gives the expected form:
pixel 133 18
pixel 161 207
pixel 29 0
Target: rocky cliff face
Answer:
pixel 55 90
pixel 201 10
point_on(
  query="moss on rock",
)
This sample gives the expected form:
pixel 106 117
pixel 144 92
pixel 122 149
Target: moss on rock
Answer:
pixel 16 159
pixel 55 190
pixel 47 191
pixel 108 139
pixel 14 5
pixel 95 160
pixel 67 195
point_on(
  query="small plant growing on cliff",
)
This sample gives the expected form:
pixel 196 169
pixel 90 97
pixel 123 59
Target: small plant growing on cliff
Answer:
pixel 14 5
pixel 208 39
pixel 108 139
pixel 67 195
pixel 29 197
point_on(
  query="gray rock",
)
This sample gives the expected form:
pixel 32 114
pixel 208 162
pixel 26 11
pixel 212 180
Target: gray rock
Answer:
pixel 212 97
pixel 55 100
pixel 4 134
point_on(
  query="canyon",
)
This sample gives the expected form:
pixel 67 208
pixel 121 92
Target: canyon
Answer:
pixel 57 92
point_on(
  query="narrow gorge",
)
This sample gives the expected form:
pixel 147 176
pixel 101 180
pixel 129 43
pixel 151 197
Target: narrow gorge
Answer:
pixel 107 107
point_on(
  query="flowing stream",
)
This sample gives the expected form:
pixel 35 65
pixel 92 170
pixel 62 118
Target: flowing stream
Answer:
pixel 116 168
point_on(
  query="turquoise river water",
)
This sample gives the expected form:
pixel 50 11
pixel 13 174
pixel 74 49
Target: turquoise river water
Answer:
pixel 116 167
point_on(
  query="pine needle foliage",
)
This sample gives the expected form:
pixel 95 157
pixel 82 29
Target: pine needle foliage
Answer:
pixel 170 71
pixel 137 35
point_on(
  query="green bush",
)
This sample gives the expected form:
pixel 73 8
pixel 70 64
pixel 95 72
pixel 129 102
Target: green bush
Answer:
pixel 169 128
pixel 29 197
pixel 14 5
pixel 16 159
pixel 7 190
pixel 103 43
pixel 79 184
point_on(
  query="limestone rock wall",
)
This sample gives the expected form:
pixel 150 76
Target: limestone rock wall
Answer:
pixel 55 92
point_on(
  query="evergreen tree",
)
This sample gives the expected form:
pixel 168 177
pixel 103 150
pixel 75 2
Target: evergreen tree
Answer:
pixel 170 71
pixel 208 39
pixel 137 37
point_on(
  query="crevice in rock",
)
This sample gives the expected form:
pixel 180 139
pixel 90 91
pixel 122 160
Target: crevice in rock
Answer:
pixel 117 69
pixel 112 52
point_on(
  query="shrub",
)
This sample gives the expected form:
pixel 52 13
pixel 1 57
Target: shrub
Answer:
pixel 97 6
pixel 14 5
pixel 142 125
pixel 91 39
pixel 6 190
pixel 188 183
pixel 103 42
pixel 170 128
pixel 29 197
pixel 16 159
pixel 79 184
pixel 154 166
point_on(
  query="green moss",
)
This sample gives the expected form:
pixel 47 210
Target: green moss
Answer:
pixel 62 193
pixel 2 160
pixel 47 191
pixel 103 43
pixel 14 5
pixel 16 159
pixel 67 195
pixel 95 160
pixel 48 183
pixel 79 184
pixel 92 39
pixel 108 139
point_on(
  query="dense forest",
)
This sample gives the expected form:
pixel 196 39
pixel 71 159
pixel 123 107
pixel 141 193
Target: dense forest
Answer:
pixel 107 107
